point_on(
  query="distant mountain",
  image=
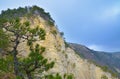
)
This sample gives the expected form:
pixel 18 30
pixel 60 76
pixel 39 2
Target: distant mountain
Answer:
pixel 116 54
pixel 110 60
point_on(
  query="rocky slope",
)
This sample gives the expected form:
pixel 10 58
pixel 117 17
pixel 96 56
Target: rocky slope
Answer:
pixel 66 59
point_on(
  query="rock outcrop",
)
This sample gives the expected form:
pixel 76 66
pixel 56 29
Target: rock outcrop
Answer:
pixel 66 60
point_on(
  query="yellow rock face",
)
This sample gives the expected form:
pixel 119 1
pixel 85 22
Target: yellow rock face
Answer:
pixel 66 60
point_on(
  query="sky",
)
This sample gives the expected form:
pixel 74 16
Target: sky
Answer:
pixel 93 23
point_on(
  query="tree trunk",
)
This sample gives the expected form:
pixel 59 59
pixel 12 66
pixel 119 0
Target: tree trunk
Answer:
pixel 14 52
pixel 29 75
pixel 16 69
pixel 16 62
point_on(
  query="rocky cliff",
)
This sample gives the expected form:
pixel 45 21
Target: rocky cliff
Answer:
pixel 65 58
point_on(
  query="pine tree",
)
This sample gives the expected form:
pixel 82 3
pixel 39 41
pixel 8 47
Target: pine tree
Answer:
pixel 16 32
pixel 4 40
pixel 35 60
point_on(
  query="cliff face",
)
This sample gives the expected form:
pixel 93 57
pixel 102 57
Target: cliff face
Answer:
pixel 66 60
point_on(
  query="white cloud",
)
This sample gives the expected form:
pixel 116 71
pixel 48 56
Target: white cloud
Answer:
pixel 110 13
pixel 103 48
pixel 95 47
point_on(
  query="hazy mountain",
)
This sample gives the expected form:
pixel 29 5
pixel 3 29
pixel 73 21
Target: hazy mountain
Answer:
pixel 111 60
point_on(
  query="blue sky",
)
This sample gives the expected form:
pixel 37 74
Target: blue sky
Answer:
pixel 94 23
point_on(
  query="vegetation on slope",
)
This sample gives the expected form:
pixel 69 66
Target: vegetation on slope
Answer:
pixel 19 32
pixel 27 12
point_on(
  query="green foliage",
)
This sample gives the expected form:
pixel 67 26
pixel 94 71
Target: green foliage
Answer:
pixel 80 54
pixel 54 32
pixel 6 64
pixel 68 76
pixel 2 21
pixel 57 76
pixel 62 34
pixel 50 23
pixel 42 34
pixel 29 42
pixel 27 23
pixel 4 40
pixel 27 11
pixel 13 13
pixel 23 31
pixel 66 44
pixel 34 8
pixel 35 62
pixel 105 68
pixel 38 31
pixel 104 77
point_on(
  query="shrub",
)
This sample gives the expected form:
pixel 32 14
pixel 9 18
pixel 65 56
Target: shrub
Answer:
pixel 50 23
pixel 54 32
pixel 104 77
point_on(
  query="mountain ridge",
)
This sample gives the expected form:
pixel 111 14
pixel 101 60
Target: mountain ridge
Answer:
pixel 111 60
